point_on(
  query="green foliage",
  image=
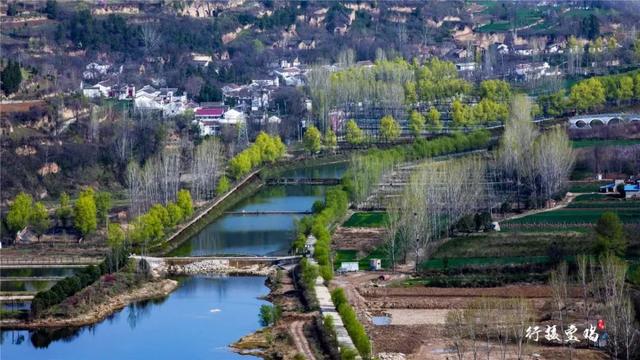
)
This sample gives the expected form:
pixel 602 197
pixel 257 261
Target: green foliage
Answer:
pixel 355 329
pixel 312 139
pixel 367 169
pixel 588 94
pixel 147 227
pixel 222 186
pixel 184 202
pixel 416 123
pixel 11 77
pixel 266 149
pixel 160 212
pixel 555 104
pixel 115 236
pixel 73 284
pixel 269 314
pixel 495 90
pixel 39 219
pixel 438 79
pixel 209 93
pixel 84 213
pixel 610 235
pixel 460 113
pixel 176 215
pixel 353 133
pixel 64 211
pixel 348 353
pixel 433 118
pixel 389 128
pixel 103 205
pixel 330 140
pixel 367 219
pixel 19 212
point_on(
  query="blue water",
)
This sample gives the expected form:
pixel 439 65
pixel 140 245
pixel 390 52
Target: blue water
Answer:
pixel 329 171
pixel 180 327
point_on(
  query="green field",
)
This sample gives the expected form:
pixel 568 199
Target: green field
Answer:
pixel 588 186
pixel 577 144
pixel 435 264
pixel 366 219
pixel 363 262
pixel 579 216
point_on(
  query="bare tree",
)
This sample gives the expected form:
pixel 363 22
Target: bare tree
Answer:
pixel 150 38
pixel 554 161
pixel 206 168
pixel 559 289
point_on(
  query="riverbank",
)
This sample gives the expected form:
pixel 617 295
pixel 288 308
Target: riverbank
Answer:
pixel 147 291
pixel 280 341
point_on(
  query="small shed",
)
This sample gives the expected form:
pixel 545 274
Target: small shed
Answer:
pixel 349 266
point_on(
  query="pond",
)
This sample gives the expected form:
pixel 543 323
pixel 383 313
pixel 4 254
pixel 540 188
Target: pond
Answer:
pixel 327 171
pixel 197 321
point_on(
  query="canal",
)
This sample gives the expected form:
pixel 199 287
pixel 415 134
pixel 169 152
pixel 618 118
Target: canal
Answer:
pixel 205 314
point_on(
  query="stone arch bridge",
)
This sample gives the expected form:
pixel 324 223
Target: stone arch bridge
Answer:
pixel 596 120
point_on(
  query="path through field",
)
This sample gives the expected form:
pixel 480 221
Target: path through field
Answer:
pixel 297 331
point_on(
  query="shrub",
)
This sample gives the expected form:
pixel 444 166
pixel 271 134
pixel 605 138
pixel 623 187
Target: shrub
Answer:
pixel 355 329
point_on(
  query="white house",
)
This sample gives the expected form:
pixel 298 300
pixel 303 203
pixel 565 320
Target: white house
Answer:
pixel 163 99
pixel 212 119
pixel 467 66
pixel 103 88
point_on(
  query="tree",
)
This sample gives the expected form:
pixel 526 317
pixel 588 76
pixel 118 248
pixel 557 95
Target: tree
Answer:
pixel 39 219
pixel 223 185
pixel 269 314
pixel 184 202
pixel 85 213
pixel 433 118
pixel 51 9
pixel 416 123
pixel 587 94
pixel 554 157
pixel 103 206
pixel 312 139
pixel 175 214
pixel 11 77
pixel 115 236
pixel 330 140
pixel 240 165
pixel 19 212
pixel 496 90
pixel 460 113
pixel 353 133
pixel 610 237
pixel 209 92
pixel 64 211
pixel 389 128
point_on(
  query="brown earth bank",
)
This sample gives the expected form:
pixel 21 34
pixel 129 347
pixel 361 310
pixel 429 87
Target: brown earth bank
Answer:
pixel 148 290
pixel 279 341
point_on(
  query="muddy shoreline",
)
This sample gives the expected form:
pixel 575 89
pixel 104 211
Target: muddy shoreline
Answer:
pixel 148 291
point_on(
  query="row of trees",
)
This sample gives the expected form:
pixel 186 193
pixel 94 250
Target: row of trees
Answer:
pixel 394 85
pixel 592 94
pixel 437 196
pixel 89 210
pixel 149 228
pixel 266 149
pixel 354 327
pixel 313 141
pixel 366 170
pixel 537 164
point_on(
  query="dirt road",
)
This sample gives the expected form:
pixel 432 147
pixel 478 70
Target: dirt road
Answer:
pixel 297 331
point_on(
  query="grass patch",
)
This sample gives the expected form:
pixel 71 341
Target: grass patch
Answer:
pixel 363 262
pixel 586 186
pixel 578 216
pixel 585 143
pixel 435 264
pixel 367 219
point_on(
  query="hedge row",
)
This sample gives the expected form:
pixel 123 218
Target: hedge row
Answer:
pixel 307 275
pixel 351 323
pixel 335 205
pixel 72 284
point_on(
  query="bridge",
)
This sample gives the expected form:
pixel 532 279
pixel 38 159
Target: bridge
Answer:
pixel 303 181
pixel 596 120
pixel 276 212
pixel 235 261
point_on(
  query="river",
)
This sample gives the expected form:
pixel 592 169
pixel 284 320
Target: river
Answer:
pixel 187 324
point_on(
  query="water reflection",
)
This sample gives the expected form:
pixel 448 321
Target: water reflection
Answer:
pixel 180 326
pixel 263 234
